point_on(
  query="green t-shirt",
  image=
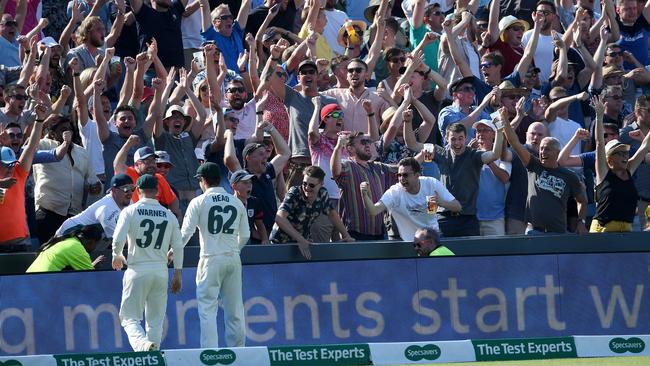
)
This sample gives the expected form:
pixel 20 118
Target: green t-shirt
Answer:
pixel 69 252
pixel 430 51
pixel 441 251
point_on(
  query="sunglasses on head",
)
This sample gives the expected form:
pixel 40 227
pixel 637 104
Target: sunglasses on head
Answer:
pixel 307 184
pixel 19 96
pixel 358 70
pixel 238 89
pixel 397 59
pixel 336 114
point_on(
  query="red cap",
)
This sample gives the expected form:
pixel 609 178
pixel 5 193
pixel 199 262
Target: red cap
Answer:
pixel 146 93
pixel 328 109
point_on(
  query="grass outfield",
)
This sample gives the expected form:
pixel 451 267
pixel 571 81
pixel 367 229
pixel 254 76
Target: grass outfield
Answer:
pixel 600 361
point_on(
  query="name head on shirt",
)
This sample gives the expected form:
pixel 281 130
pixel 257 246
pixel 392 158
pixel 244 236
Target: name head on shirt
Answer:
pixel 220 198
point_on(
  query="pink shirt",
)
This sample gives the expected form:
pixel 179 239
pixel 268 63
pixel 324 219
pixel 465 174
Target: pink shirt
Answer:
pixel 321 154
pixel 355 117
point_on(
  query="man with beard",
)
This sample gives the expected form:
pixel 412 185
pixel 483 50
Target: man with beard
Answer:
pixel 284 19
pixel 408 201
pixel 549 187
pixel 145 163
pixel 241 109
pixel 56 69
pixel 219 26
pixel 349 173
pixel 105 211
pixel 355 117
pixel 544 51
pixel 516 196
pixel 162 21
pixel 59 187
pixel 91 36
pixel 15 98
pixel 8 46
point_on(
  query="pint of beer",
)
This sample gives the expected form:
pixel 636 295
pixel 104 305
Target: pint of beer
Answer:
pixel 428 153
pixel 432 205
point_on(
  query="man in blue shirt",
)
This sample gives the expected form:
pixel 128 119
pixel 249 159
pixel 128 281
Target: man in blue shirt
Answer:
pixel 228 34
pixel 8 44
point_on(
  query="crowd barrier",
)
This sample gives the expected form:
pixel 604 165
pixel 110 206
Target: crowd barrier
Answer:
pixel 406 353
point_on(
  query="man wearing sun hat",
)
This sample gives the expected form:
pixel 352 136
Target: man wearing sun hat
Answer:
pixel 505 36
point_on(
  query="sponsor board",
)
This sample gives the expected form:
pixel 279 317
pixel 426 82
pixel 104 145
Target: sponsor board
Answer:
pixel 421 352
pixel 524 349
pixel 620 345
pixel 326 355
pixel 111 359
pixel 43 360
pixel 257 356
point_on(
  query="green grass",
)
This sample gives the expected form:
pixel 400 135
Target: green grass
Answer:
pixel 600 361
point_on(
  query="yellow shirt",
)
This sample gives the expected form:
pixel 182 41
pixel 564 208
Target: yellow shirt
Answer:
pixel 323 50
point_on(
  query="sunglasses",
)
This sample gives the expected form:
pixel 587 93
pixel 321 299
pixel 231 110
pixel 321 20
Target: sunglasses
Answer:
pixel 615 54
pixel 19 97
pixel 397 59
pixel 358 70
pixel 18 135
pixel 365 142
pixel 544 12
pixel 280 74
pixel 239 89
pixel 486 65
pixel 127 189
pixel 307 72
pixel 607 135
pixel 532 74
pixel 310 185
pixel 516 28
pixel 224 17
pixel 481 25
pixel 10 23
pixel 336 114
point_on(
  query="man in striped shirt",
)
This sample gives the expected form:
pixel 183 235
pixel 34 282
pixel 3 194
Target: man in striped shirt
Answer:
pixel 349 174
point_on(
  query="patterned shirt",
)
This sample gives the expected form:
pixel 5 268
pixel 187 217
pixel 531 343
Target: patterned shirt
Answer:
pixel 321 154
pixel 301 214
pixel 353 213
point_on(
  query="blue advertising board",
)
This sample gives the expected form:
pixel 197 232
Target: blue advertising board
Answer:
pixel 405 300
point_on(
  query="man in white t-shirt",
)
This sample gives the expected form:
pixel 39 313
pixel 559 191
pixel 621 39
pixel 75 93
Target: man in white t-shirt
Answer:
pixel 105 211
pixel 407 201
pixel 544 52
pixel 335 20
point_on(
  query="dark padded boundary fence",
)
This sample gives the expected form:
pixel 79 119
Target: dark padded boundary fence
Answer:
pixel 470 246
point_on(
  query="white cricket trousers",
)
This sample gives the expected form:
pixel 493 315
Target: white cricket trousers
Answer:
pixel 220 277
pixel 144 290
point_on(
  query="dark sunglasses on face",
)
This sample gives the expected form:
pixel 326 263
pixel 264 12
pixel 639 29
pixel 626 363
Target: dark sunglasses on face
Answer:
pixel 307 184
pixel 19 97
pixel 436 13
pixel 239 89
pixel 615 54
pixel 544 12
pixel 486 65
pixel 358 70
pixel 307 72
pixel 13 136
pixel 532 74
pixel 10 23
pixel 336 114
pixel 607 135
pixel 397 59
pixel 365 142
pixel 224 17
pixel 481 25
pixel 516 28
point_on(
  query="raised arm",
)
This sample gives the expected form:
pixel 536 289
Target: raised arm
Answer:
pixel 529 52
pixel 565 158
pixel 153 124
pixel 597 76
pixel 459 60
pixel 119 163
pixel 641 154
pixel 313 133
pixel 372 208
pixel 21 13
pixel 206 18
pixel 229 155
pixel 27 156
pixel 491 156
pixel 102 124
pixel 476 113
pixel 418 13
pixel 599 130
pixel 562 71
pixel 136 5
pixel 551 112
pixel 409 136
pixel 283 153
pixel 429 120
pixel 335 161
pixel 127 88
pixel 513 140
pixel 244 10
pixel 142 64
pixel 493 23
pixel 378 25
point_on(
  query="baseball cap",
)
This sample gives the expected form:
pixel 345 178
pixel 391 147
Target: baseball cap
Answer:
pixel 239 176
pixel 486 122
pixel 307 63
pixel 208 170
pixel 49 42
pixel 146 93
pixel 250 148
pixel 143 153
pixel 614 146
pixel 163 157
pixel 147 181
pixel 8 156
pixel 326 110
pixel 121 180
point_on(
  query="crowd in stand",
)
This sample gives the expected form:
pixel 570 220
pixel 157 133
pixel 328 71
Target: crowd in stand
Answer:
pixel 330 120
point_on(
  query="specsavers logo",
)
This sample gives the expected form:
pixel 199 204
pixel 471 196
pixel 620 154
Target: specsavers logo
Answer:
pixel 427 352
pixel 212 357
pixel 622 345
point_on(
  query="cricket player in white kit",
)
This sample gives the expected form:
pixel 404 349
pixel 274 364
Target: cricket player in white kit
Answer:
pixel 151 230
pixel 223 231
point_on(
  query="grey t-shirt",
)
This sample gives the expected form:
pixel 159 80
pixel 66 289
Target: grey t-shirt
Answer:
pixel 27 117
pixel 461 174
pixel 548 193
pixel 110 148
pixel 84 56
pixel 642 174
pixel 300 109
pixel 181 153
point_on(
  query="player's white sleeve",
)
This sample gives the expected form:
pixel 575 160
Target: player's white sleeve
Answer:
pixel 176 243
pixel 244 229
pixel 121 231
pixel 191 220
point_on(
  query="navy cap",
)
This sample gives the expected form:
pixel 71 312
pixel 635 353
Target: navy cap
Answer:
pixel 143 153
pixel 121 180
pixel 239 176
